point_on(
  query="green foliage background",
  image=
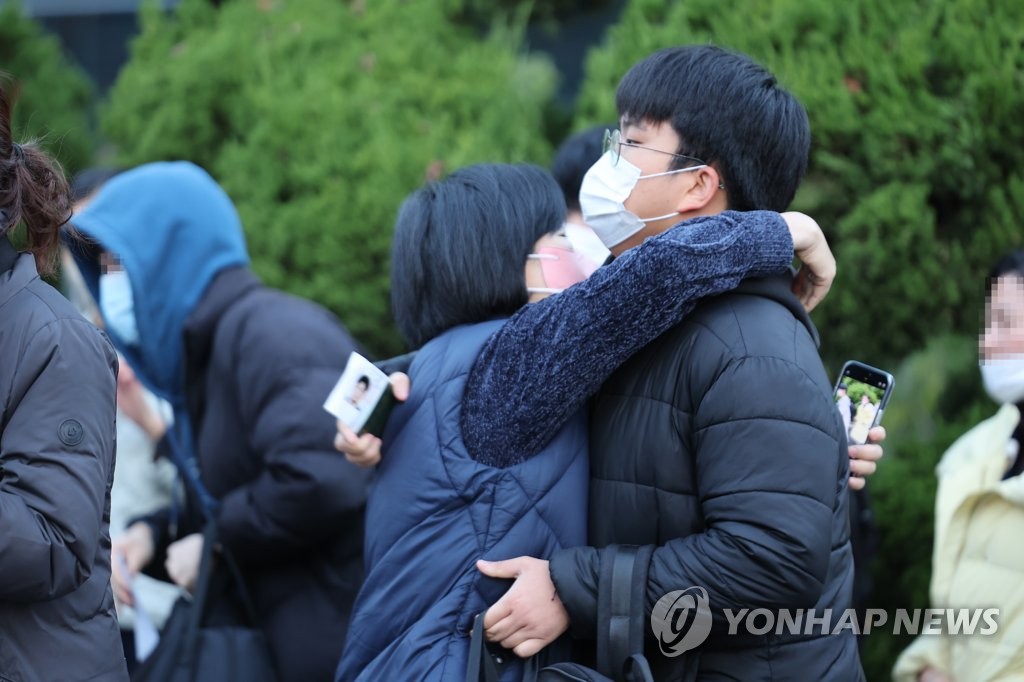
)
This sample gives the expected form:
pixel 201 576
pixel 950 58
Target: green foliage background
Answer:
pixel 917 169
pixel 54 94
pixel 917 176
pixel 938 398
pixel 319 117
pixel 857 389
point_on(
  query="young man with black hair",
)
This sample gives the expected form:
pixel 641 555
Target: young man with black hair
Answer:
pixel 719 444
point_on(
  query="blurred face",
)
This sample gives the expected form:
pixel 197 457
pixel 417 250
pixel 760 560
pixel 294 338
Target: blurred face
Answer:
pixel 117 300
pixel 109 262
pixel 1003 336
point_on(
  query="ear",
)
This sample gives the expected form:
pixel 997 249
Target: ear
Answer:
pixel 707 192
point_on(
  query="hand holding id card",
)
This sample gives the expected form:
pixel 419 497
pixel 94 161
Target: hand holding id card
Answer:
pixel 362 398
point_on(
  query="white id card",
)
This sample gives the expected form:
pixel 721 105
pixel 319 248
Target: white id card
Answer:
pixel 358 392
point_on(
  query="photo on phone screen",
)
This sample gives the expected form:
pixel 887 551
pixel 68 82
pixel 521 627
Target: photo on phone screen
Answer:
pixel 862 394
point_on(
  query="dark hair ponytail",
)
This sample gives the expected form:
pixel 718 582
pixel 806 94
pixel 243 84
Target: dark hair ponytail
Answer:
pixel 33 189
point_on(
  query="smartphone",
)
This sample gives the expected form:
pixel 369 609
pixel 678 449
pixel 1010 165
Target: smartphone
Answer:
pixel 862 393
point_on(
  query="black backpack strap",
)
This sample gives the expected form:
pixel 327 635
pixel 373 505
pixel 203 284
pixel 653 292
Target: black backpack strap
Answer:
pixel 481 666
pixel 203 596
pixel 621 612
pixel 200 596
pixel 8 255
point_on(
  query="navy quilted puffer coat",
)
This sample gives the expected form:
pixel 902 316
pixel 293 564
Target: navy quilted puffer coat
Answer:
pixel 434 511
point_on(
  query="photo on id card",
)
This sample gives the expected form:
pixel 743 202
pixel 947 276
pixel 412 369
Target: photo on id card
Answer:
pixel 362 397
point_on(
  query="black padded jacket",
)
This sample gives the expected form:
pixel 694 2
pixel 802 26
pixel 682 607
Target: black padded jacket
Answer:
pixel 720 445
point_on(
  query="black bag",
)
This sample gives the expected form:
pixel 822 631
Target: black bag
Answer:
pixel 212 637
pixel 620 630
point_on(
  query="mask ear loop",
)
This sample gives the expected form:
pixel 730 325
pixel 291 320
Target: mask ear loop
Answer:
pixel 673 172
pixel 541 290
pixel 660 217
pixel 721 185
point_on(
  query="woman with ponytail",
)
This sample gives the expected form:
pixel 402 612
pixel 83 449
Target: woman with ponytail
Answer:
pixel 57 401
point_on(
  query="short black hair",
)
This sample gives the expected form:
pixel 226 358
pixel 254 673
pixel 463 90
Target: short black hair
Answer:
pixel 728 111
pixel 364 380
pixel 460 246
pixel 1011 263
pixel 574 158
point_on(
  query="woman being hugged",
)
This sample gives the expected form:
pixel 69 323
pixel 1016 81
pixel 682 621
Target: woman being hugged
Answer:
pixel 456 483
pixel 58 382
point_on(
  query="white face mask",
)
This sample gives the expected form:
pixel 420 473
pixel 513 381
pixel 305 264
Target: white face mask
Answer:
pixel 1004 379
pixel 603 193
pixel 118 306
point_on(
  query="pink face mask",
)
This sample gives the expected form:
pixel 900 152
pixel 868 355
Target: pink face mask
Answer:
pixel 561 268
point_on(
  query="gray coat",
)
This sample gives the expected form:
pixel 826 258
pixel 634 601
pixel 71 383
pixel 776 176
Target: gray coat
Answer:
pixel 57 406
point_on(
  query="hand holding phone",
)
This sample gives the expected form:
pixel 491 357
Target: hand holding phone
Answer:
pixel 862 394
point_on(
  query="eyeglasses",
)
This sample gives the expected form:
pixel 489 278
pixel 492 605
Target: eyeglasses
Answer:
pixel 613 143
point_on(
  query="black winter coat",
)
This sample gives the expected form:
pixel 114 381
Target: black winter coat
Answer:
pixel 57 405
pixel 721 445
pixel 260 364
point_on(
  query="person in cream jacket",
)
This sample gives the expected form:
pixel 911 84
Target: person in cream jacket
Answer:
pixel 978 559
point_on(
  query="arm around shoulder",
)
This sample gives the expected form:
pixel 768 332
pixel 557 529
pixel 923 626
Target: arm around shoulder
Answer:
pixel 551 356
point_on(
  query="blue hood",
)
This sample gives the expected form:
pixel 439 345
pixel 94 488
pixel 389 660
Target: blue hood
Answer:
pixel 174 229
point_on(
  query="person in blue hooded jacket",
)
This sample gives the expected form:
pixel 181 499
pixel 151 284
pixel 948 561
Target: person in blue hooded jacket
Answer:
pixel 245 369
pixel 469 252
